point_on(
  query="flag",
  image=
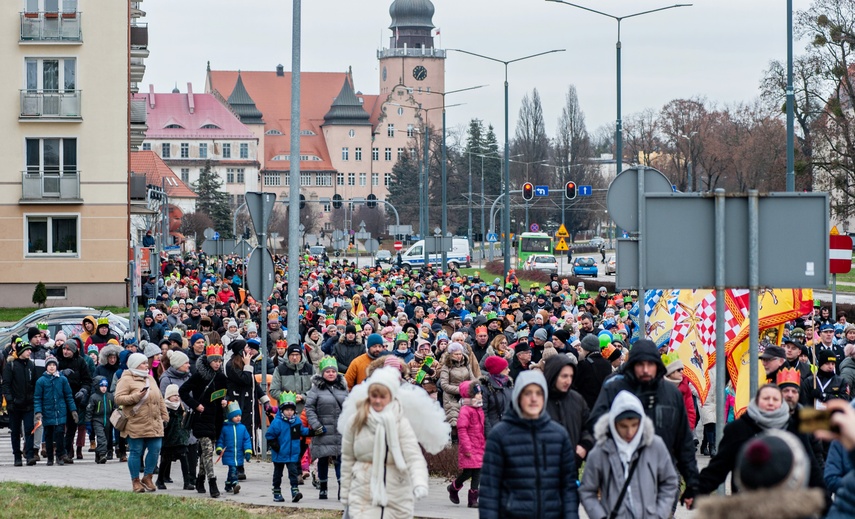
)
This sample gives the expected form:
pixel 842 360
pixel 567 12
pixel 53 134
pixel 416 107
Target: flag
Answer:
pixel 437 31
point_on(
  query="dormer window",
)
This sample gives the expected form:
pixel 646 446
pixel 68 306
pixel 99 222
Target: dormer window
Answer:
pixel 274 131
pixel 174 127
pixel 210 127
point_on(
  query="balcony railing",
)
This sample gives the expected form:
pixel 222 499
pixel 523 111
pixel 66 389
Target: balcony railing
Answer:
pixel 36 104
pixel 411 52
pixel 51 187
pixel 40 26
pixel 139 36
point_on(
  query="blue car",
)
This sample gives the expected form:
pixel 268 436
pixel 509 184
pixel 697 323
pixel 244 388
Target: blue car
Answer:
pixel 585 266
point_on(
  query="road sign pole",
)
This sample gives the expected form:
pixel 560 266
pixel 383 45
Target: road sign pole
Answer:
pixel 834 296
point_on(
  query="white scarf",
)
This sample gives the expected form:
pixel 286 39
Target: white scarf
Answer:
pixel 385 427
pixel 139 372
pixel 173 405
pixel 627 448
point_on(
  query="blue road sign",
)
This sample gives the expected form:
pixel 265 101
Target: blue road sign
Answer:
pixel 216 236
pixel 584 190
pixel 673 188
pixel 534 227
pixel 541 190
pixel 492 237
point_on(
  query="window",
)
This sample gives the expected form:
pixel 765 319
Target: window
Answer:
pixel 146 146
pixel 244 150
pixel 185 150
pixel 387 179
pixel 50 157
pixel 272 178
pixel 375 153
pixel 357 153
pixel 240 199
pixel 210 127
pixel 410 130
pixel 305 178
pixel 52 235
pixel 413 153
pixel 230 176
pixel 351 134
pixel 351 179
pixel 307 132
pixel 362 179
pixel 400 153
pixel 165 150
pixel 57 292
pixel 174 127
pixel 375 179
pixel 51 74
pixel 388 154
pixel 227 150
pixel 327 207
pixel 240 175
pixel 390 131
pixel 185 175
pixel 339 179
pixel 324 179
pixel 400 111
pixel 203 150
pixel 274 131
pixel 345 153
pixel 287 178
pixel 327 226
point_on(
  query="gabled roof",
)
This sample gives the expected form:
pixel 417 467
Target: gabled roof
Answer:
pixel 243 104
pixel 175 109
pixel 155 171
pixel 346 109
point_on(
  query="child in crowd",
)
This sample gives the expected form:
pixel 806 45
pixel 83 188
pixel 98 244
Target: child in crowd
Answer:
pixel 53 402
pixel 234 445
pixel 175 440
pixel 98 412
pixel 283 437
pixel 470 432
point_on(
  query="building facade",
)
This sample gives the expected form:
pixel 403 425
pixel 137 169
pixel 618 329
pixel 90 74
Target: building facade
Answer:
pixel 64 203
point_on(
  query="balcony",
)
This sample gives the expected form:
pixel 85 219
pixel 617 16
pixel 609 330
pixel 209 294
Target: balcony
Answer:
pixel 138 123
pixel 417 52
pixel 50 105
pixel 51 27
pixel 139 36
pixel 51 187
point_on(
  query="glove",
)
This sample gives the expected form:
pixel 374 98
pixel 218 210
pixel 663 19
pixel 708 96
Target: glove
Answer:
pixel 218 450
pixel 74 415
pixel 320 431
pixel 272 409
pixel 428 370
pixel 689 493
pixel 38 417
pixel 67 372
pixel 247 455
pixel 420 492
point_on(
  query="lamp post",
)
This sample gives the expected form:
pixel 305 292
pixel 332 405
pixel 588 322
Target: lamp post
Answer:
pixel 618 19
pixel 506 245
pixel 689 162
pixel 791 174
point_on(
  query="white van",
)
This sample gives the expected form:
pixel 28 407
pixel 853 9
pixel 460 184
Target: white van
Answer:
pixel 458 256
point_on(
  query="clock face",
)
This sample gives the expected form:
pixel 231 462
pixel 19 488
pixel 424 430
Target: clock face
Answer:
pixel 419 73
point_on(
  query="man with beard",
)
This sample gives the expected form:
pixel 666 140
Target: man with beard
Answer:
pixel 192 322
pixel 663 404
pixel 356 371
pixel 586 326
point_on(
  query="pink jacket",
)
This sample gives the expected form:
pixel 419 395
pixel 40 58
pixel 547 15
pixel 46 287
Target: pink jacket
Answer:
pixel 470 432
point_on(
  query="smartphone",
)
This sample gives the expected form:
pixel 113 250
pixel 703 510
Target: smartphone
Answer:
pixel 811 420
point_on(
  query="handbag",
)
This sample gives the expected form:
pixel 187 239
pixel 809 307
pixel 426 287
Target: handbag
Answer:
pixel 119 419
pixel 188 420
pixel 625 486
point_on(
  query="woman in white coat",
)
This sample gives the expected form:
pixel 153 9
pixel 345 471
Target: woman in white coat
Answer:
pixel 380 430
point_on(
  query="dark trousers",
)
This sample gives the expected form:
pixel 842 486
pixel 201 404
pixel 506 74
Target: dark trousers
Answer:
pixel 293 472
pixel 324 468
pixel 70 430
pixel 475 474
pixel 193 457
pixel 104 437
pixel 17 420
pixel 54 437
pixel 167 456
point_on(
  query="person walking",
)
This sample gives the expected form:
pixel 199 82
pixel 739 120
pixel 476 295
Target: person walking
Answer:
pixel 53 403
pixel 18 388
pixel 323 408
pixel 470 433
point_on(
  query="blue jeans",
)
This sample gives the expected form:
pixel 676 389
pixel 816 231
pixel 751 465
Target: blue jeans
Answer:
pixel 232 477
pixel 136 446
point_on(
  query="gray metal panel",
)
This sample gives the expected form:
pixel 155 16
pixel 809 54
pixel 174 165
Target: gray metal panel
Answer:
pixel 627 264
pixel 678 241
pixel 622 196
pixel 437 244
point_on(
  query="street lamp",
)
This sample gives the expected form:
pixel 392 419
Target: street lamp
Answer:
pixel 618 122
pixel 689 178
pixel 506 245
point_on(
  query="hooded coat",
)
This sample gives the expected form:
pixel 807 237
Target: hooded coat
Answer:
pixel 569 408
pixel 529 469
pixel 199 390
pixel 497 400
pixel 148 420
pixel 654 485
pixel 100 405
pixel 323 408
pixel 296 378
pixel 53 399
pixel 452 374
pixel 346 351
pixel 104 368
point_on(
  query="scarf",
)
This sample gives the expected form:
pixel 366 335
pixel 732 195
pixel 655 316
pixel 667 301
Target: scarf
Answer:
pixel 385 427
pixel 139 372
pixel 769 419
pixel 627 448
pixel 173 405
pixel 500 379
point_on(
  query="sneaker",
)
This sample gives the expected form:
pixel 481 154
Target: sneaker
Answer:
pixel 31 462
pixel 60 462
pixel 277 497
pixel 236 489
pixel 296 497
pixel 50 463
pixel 18 462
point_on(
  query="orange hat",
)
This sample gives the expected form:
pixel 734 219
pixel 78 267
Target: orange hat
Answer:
pixel 213 351
pixel 789 377
pixel 282 344
pixel 481 329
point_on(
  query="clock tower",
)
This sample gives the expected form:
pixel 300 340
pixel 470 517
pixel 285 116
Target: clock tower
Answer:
pixel 411 59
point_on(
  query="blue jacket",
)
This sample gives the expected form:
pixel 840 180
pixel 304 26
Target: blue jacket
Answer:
pixel 234 442
pixel 844 502
pixel 837 465
pixel 53 399
pixel 287 433
pixel 529 471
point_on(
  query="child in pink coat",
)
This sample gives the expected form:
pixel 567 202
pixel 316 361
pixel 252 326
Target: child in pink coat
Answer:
pixel 470 432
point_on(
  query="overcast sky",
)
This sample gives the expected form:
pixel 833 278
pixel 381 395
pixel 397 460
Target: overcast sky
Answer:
pixel 717 49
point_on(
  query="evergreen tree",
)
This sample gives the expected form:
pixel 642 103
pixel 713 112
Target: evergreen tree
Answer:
pixel 213 201
pixel 404 190
pixel 40 294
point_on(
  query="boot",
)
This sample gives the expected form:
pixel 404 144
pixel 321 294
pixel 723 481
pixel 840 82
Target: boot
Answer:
pixel 138 488
pixel 315 481
pixel 67 459
pixel 147 484
pixel 241 473
pixel 453 489
pixel 323 487
pixel 212 483
pixel 236 488
pixel 91 445
pixel 97 459
pixel 109 454
pixel 705 451
pixel 122 455
pixel 200 484
pixel 296 496
pixel 473 498
pixel 79 452
pixel 712 451
pixel 43 451
pixel 277 495
pixel 188 481
pixel 339 489
pixel 159 484
pixel 103 459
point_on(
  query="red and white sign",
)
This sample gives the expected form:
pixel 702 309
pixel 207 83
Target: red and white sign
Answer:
pixel 398 245
pixel 839 254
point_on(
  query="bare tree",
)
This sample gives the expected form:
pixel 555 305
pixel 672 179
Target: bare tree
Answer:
pixel 641 140
pixel 194 224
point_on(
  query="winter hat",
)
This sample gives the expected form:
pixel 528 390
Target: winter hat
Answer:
pixel 60 336
pixel 233 410
pixel 294 348
pixel 591 343
pixel 106 383
pixel 349 329
pixel 388 377
pixel 237 346
pixel 373 340
pixel 171 390
pixel 51 360
pixel 175 337
pixel 177 358
pixel 288 399
pixel 135 359
pixel 522 347
pixel 774 459
pixel 251 327
pixel 455 347
pixel 92 349
pixel 255 344
pixel 195 337
pixel 32 331
pixel 328 363
pixel 151 350
pixel 672 362
pixel 392 361
pixel 527 378
pixel 495 365
pixel 468 389
pixel 541 334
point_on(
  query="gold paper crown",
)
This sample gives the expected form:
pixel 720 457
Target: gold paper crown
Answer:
pixel 789 376
pixel 103 320
pixel 214 350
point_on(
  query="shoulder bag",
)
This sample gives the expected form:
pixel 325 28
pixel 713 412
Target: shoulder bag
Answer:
pixel 119 420
pixel 625 486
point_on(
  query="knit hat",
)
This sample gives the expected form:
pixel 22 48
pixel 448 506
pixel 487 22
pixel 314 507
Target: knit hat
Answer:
pixel 171 390
pixel 455 347
pixel 151 350
pixel 527 378
pixel 349 329
pixel 135 359
pixel 288 399
pixel 392 361
pixel 51 360
pixel 255 344
pixel 591 343
pixel 541 334
pixel 468 389
pixel 522 347
pixel 373 340
pixel 672 362
pixel 92 349
pixel 233 410
pixel 60 336
pixel 175 337
pixel 106 383
pixel 32 331
pixel 19 346
pixel 328 363
pixel 390 378
pixel 251 327
pixel 177 358
pixel 195 337
pixel 774 459
pixel 237 346
pixel 294 348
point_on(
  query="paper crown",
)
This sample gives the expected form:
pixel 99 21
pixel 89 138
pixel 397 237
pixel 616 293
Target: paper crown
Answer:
pixel 789 377
pixel 288 399
pixel 103 321
pixel 402 337
pixel 233 410
pixel 190 333
pixel 282 344
pixel 214 350
pixel 669 358
pixel 42 325
pixel 328 362
pixel 481 329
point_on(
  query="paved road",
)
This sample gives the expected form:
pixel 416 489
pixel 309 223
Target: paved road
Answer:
pixel 255 490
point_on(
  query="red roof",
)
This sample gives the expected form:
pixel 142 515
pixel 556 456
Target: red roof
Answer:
pixel 208 120
pixel 155 170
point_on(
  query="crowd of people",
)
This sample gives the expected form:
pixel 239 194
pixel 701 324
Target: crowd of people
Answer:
pixel 527 385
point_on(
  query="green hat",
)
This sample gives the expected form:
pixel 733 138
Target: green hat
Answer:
pixel 402 337
pixel 328 362
pixel 816 303
pixel 288 399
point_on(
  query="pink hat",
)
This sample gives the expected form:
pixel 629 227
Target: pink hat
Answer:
pixel 495 364
pixel 60 336
pixel 392 361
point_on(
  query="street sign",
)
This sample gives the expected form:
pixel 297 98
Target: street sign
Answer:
pixel 216 236
pixel 362 235
pixel 259 274
pixel 584 190
pixel 372 246
pixel 534 227
pixel 208 233
pixel 398 245
pixel 492 237
pixel 541 190
pixel 260 207
pixel 622 197
pixel 562 245
pixel 562 232
pixel 337 235
pixel 839 253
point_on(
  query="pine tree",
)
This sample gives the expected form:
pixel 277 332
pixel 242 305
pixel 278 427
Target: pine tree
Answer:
pixel 40 294
pixel 213 201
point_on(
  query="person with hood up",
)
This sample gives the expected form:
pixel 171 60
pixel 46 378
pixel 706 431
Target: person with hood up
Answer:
pixel 565 405
pixel 628 455
pixel 89 325
pixel 102 334
pixel 178 373
pixel 108 362
pixel 314 341
pixel 98 411
pixel 53 402
pixel 529 470
pixel 642 376
pixel 348 348
pixel 74 368
pixel 470 432
pixel 592 370
pixel 498 389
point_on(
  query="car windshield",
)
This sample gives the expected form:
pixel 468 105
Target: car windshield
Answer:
pixel 544 259
pixel 535 244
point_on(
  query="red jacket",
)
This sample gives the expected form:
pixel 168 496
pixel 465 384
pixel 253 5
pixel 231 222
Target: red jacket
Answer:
pixel 470 433
pixel 689 402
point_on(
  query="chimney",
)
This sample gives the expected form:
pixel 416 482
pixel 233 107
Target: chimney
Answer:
pixel 190 101
pixel 280 70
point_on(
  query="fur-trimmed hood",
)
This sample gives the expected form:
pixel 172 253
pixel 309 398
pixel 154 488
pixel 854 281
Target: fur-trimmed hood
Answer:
pixel 321 383
pixel 106 351
pixel 203 369
pixel 603 433
pixel 777 503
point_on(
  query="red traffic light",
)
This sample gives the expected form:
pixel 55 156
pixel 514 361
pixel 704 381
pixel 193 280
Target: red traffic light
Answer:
pixel 570 190
pixel 528 191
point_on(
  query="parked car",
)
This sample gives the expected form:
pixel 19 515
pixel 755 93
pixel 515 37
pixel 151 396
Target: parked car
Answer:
pixel 545 262
pixel 585 266
pixel 383 256
pixel 611 265
pixel 317 250
pixel 596 241
pixel 69 319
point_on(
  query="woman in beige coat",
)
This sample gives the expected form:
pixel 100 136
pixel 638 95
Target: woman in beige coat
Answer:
pixel 143 405
pixel 455 369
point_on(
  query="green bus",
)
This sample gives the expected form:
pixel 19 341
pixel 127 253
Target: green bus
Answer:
pixel 529 243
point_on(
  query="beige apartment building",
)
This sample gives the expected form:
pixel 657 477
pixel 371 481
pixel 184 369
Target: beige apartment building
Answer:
pixel 64 196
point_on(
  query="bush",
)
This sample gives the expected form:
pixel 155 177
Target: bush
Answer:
pixel 443 464
pixel 40 294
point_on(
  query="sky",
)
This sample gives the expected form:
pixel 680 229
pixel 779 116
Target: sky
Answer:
pixel 716 49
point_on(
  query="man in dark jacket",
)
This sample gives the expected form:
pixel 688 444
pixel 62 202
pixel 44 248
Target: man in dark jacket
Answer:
pixel 347 349
pixel 566 406
pixel 19 386
pixel 591 371
pixel 72 365
pixel 642 375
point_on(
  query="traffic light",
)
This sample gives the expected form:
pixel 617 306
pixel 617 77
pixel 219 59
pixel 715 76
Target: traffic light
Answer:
pixel 302 201
pixel 336 202
pixel 528 191
pixel 372 201
pixel 570 190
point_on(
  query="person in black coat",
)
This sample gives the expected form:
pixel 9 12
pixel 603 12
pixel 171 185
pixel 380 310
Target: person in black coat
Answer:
pixel 591 371
pixel 18 388
pixel 74 368
pixel 566 406
pixel 663 403
pixel 498 389
pixel 529 470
